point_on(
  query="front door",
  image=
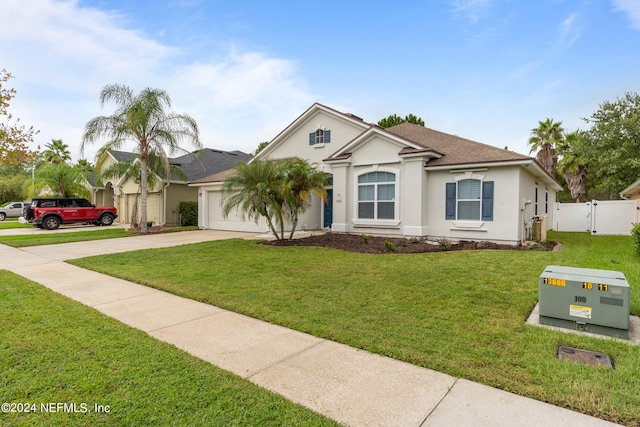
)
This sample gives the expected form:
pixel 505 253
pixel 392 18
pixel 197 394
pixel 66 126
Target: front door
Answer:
pixel 328 209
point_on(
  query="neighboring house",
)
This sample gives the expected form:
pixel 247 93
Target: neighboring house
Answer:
pixel 406 180
pixel 164 199
pixel 632 192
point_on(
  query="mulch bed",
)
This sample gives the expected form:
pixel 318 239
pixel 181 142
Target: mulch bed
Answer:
pixel 383 245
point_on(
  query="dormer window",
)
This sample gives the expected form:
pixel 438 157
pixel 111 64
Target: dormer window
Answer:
pixel 321 136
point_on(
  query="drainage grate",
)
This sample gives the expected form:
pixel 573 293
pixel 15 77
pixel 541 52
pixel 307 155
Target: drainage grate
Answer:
pixel 585 357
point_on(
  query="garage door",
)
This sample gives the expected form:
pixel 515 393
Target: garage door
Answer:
pixel 234 221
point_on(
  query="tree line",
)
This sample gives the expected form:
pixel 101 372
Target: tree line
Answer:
pixel 598 162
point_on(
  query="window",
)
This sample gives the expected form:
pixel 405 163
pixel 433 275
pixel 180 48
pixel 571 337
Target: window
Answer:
pixel 469 199
pixel 321 136
pixel 376 195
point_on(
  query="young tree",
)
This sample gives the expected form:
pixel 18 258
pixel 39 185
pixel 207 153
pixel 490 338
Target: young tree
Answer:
pixel 56 152
pixel 300 181
pixel 143 120
pixel 572 164
pixel 394 120
pixel 545 139
pixel 13 136
pixel 254 189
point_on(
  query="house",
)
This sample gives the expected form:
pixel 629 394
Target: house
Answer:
pixel 632 192
pixel 164 198
pixel 403 181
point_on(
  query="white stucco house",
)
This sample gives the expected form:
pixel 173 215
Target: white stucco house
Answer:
pixel 403 181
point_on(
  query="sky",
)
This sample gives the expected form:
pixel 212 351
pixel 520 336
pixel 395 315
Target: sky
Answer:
pixel 486 70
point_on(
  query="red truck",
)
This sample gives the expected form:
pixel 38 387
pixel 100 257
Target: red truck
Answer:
pixel 49 213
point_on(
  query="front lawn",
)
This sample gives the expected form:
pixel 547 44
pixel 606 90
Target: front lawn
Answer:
pixel 51 238
pixel 56 352
pixel 461 313
pixel 10 223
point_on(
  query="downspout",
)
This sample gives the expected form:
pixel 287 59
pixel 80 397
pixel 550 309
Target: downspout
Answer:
pixel 164 203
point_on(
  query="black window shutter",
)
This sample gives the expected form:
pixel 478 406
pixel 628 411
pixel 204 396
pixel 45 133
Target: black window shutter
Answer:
pixel 312 138
pixel 327 136
pixel 487 201
pixel 451 201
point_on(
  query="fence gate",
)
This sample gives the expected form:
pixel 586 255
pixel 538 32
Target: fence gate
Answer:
pixel 598 217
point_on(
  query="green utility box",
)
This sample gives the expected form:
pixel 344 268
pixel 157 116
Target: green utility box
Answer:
pixel 585 299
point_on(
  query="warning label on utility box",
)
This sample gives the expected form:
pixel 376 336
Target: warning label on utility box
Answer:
pixel 580 311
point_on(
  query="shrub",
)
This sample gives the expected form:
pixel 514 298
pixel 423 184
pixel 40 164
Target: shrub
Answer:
pixel 188 213
pixel 635 232
pixel 445 244
pixel 366 238
pixel 391 247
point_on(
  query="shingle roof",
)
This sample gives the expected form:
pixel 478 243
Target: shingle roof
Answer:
pixel 455 150
pixel 198 164
pixel 202 163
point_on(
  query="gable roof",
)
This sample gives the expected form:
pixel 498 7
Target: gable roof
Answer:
pixel 302 118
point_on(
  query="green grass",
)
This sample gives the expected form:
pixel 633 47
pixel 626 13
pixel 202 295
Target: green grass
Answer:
pixel 55 350
pixel 10 223
pixel 48 238
pixel 461 313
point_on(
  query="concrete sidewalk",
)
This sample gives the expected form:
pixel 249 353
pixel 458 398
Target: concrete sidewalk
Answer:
pixel 349 385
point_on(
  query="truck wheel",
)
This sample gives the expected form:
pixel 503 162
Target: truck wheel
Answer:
pixel 51 223
pixel 106 219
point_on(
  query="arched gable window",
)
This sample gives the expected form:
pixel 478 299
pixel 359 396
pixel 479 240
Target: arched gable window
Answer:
pixel 321 136
pixel 376 195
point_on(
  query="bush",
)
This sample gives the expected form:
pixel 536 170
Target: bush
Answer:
pixel 391 247
pixel 635 232
pixel 188 213
pixel 366 238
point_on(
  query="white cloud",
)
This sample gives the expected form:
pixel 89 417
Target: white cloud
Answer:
pixel 631 8
pixel 62 54
pixel 472 9
pixel 569 30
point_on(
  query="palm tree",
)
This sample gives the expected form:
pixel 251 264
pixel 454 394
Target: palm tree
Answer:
pixel 253 188
pixel 142 119
pixel 57 152
pixel 132 170
pixel 300 181
pixel 572 165
pixel 62 180
pixel 545 139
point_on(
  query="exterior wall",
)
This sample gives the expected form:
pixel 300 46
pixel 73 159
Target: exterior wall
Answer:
pixel 297 142
pixel 177 193
pixel 506 209
pixel 546 198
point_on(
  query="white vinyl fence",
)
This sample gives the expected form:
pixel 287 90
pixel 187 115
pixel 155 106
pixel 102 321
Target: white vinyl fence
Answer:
pixel 597 217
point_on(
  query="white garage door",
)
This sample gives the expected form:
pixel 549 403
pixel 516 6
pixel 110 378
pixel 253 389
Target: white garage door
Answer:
pixel 233 222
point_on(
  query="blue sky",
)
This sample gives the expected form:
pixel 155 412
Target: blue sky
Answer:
pixel 486 70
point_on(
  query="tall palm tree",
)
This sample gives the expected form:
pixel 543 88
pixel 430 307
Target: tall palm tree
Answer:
pixel 56 152
pixel 253 188
pixel 545 139
pixel 572 165
pixel 300 181
pixel 142 119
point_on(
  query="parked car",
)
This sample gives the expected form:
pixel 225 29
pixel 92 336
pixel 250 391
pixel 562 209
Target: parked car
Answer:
pixel 12 210
pixel 50 213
